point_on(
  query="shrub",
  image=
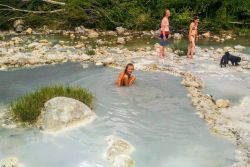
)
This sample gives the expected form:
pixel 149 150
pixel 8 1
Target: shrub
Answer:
pixel 28 107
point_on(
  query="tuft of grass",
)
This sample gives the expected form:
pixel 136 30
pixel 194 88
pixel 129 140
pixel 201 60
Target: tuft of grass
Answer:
pixel 90 52
pixel 28 107
pixel 181 49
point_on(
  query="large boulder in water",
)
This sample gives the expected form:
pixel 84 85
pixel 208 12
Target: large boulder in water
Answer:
pixel 62 113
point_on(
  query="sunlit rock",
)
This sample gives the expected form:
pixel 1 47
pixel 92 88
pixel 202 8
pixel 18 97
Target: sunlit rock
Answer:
pixel 206 34
pixel 120 30
pixel 43 41
pixel 109 60
pixel 80 30
pixel 123 161
pixel 34 45
pixel 221 103
pixel 16 40
pixel 10 162
pixel 121 40
pixel 220 51
pixel 228 49
pixel 117 146
pixel 62 113
pixel 18 25
pixel 29 31
pixel 93 34
pixel 239 47
pixel 177 36
pixel 228 37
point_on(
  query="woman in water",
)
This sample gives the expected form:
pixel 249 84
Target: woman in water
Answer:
pixel 192 37
pixel 126 78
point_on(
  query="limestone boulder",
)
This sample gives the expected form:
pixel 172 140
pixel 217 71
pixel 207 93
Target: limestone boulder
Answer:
pixel 62 113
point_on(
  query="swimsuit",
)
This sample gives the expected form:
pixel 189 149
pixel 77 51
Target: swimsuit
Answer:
pixel 162 41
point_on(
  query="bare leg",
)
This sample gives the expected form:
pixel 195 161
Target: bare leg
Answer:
pixel 191 48
pixel 161 51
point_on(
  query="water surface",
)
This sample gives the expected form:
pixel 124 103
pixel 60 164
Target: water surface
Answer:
pixel 154 115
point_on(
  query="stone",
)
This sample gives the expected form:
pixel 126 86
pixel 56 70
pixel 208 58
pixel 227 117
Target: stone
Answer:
pixel 19 28
pixel 228 49
pixel 80 30
pixel 121 40
pixel 18 22
pixel 16 40
pixel 177 36
pixel 93 34
pixel 63 113
pixel 29 31
pixel 206 34
pixel 44 41
pixel 72 36
pixel 117 146
pixel 220 51
pixel 239 47
pixel 109 60
pixel 34 45
pixel 10 162
pixel 111 33
pixel 123 161
pixel 228 37
pixel 120 30
pixel 221 103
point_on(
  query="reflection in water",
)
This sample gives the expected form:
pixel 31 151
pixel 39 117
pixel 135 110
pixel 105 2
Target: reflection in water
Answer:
pixel 154 115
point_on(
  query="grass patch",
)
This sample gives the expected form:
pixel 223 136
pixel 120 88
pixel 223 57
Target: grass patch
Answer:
pixel 90 52
pixel 180 49
pixel 28 107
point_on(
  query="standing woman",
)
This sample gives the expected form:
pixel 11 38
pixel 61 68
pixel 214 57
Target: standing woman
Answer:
pixel 192 36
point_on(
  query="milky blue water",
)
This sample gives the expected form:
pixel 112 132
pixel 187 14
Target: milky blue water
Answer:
pixel 154 115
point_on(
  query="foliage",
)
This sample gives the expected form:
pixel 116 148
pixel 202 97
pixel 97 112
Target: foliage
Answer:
pixel 28 107
pixel 133 14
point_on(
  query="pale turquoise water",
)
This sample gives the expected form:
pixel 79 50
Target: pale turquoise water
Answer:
pixel 154 115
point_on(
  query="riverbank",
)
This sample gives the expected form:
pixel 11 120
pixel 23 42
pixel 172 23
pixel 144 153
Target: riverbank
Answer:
pixel 19 53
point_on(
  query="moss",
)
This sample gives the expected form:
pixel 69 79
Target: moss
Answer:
pixel 28 107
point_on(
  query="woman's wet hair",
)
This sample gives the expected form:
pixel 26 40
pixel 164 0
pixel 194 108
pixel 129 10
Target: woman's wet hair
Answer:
pixel 129 64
